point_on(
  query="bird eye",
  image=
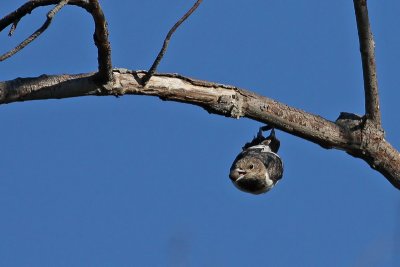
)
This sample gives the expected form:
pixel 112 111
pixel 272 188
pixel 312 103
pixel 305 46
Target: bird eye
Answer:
pixel 251 166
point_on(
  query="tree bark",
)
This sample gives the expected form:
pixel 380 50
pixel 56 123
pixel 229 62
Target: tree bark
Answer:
pixel 358 136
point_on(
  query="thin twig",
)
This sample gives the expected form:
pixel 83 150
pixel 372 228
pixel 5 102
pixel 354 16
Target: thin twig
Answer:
pixel 160 55
pixel 91 6
pixel 37 33
pixel 13 27
pixel 29 6
pixel 367 49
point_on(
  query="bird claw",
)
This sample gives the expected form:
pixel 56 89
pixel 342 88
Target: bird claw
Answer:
pixel 264 129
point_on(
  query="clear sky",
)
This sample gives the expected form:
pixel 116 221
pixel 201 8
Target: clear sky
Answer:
pixel 135 181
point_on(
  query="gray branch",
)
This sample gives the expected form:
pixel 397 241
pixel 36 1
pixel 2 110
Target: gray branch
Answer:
pixel 360 137
pixel 367 49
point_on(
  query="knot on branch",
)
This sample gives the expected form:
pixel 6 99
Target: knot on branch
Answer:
pixel 368 131
pixel 372 135
pixel 372 140
pixel 233 103
pixel 365 136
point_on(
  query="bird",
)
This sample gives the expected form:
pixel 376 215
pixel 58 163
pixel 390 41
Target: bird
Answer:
pixel 258 167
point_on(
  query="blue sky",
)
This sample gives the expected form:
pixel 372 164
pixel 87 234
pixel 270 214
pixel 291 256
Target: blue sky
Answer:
pixel 135 181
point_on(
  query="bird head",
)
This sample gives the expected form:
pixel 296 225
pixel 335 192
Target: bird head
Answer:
pixel 249 174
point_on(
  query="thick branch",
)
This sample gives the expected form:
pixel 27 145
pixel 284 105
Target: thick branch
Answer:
pixel 358 136
pixel 367 49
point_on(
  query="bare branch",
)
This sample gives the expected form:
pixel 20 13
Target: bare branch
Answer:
pixel 36 34
pixel 102 42
pixel 29 6
pixel 216 98
pixel 161 54
pixel 358 136
pixel 367 49
pixel 13 27
pixel 100 36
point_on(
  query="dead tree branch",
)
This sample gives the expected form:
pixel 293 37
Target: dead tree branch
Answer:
pixel 161 54
pixel 100 35
pixel 36 34
pixel 102 42
pixel 367 49
pixel 355 135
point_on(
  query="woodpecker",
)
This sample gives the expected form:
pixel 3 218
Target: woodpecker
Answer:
pixel 258 167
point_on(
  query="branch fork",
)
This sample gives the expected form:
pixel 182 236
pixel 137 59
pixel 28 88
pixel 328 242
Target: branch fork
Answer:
pixel 100 35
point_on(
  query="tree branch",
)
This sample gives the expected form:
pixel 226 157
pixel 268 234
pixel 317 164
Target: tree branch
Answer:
pixel 102 42
pixel 36 34
pixel 29 6
pixel 161 54
pixel 100 35
pixel 367 49
pixel 356 135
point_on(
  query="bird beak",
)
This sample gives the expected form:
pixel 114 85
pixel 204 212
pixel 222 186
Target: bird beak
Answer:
pixel 237 174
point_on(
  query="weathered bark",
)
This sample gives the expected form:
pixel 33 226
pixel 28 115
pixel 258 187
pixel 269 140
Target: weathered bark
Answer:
pixel 359 136
pixel 367 50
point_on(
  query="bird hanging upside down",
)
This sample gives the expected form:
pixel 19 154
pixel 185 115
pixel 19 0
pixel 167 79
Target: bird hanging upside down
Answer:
pixel 258 168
